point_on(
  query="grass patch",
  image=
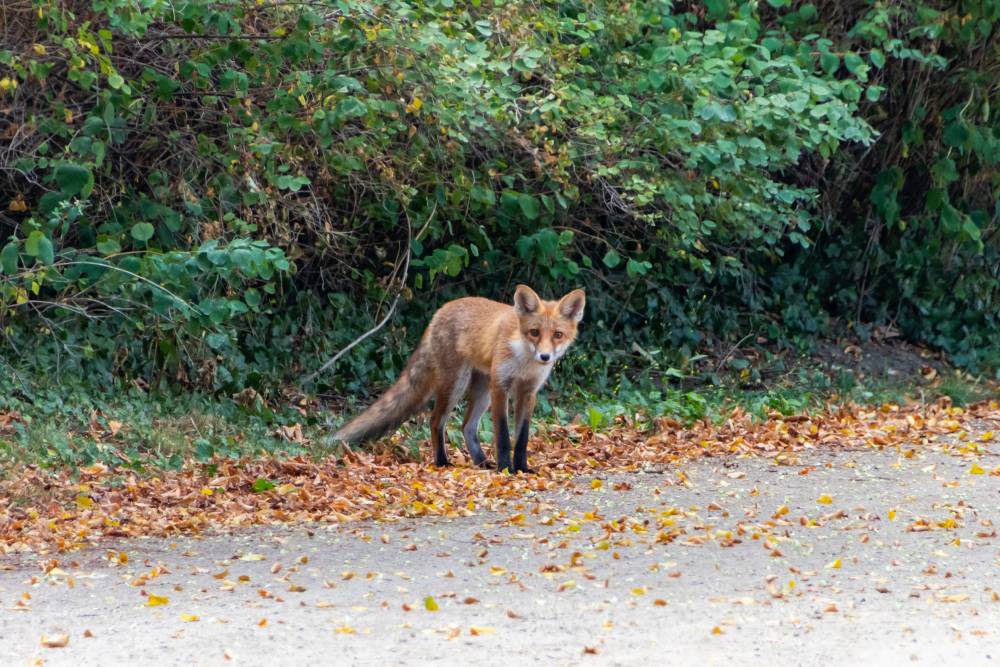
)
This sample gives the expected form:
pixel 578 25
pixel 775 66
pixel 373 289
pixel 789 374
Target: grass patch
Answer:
pixel 70 426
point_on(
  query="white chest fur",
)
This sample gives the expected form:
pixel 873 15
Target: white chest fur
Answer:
pixel 521 366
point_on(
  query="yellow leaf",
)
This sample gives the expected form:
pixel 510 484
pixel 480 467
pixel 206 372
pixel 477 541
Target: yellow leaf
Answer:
pixel 430 604
pixel 262 622
pixel 595 483
pixel 55 641
pixel 641 590
pixel 345 630
pixel 892 515
pixel 835 565
pixel 17 205
pixel 189 618
pixel 824 499
pixel 251 557
pixel 206 491
pixel 976 470
pixel 477 630
pixel 716 630
pixel 497 571
pixel 83 502
pixel 156 600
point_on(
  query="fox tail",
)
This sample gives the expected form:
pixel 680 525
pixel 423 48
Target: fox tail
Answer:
pixel 410 393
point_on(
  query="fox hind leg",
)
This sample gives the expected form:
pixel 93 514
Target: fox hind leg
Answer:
pixel 445 400
pixel 478 400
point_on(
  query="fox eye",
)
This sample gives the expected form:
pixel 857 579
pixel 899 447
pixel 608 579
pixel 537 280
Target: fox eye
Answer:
pixel 557 335
pixel 534 333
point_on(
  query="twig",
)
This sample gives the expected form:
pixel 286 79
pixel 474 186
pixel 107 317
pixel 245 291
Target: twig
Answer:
pixel 402 285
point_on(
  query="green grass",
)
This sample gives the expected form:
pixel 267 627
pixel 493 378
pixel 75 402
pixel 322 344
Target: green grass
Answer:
pixel 69 425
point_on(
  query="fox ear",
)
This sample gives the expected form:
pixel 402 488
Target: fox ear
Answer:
pixel 571 305
pixel 526 301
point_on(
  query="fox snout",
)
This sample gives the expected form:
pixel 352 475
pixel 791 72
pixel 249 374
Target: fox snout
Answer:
pixel 543 357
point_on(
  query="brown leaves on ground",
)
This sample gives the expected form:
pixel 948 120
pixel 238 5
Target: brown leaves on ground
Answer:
pixel 80 508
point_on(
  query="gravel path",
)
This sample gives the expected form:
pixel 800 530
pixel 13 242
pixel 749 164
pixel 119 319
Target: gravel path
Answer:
pixel 840 559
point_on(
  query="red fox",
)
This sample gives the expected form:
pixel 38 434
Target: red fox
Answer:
pixel 484 351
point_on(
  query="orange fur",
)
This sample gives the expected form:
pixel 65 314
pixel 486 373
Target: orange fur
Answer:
pixel 483 351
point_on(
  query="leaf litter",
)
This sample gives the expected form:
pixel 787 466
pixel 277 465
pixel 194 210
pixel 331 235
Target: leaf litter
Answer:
pixel 50 511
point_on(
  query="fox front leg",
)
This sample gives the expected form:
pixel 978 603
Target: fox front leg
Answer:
pixel 524 405
pixel 501 429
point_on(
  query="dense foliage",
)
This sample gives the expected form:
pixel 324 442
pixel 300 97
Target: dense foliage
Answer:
pixel 225 193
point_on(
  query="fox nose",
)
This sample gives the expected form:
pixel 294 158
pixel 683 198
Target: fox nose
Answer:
pixel 544 357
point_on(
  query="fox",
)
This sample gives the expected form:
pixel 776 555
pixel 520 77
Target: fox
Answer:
pixel 486 352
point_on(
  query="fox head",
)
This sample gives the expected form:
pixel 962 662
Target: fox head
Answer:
pixel 548 327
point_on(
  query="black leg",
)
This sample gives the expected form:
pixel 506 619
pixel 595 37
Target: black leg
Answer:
pixel 521 449
pixel 440 455
pixel 476 452
pixel 503 444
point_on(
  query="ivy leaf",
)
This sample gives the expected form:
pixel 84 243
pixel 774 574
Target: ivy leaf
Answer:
pixel 9 257
pixel 74 179
pixel 944 171
pixel 830 62
pixel 107 245
pixel 529 206
pixel 854 63
pixel 612 259
pixel 142 231
pixel 39 246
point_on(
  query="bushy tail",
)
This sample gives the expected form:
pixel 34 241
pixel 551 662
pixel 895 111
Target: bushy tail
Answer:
pixel 410 392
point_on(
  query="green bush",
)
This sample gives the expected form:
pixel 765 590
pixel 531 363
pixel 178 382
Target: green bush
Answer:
pixel 224 193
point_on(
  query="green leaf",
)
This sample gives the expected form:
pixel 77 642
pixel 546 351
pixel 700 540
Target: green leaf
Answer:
pixel 115 80
pixel 944 171
pixel 594 417
pixel 216 340
pixel 260 485
pixel 142 231
pixel 951 219
pixel 107 245
pixel 877 58
pixel 612 259
pixel 33 243
pixel 716 9
pixel 529 206
pixel 9 257
pixel 74 179
pixel 853 63
pixel 252 297
pixel 830 62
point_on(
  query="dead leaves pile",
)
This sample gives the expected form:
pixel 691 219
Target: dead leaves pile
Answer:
pixel 43 511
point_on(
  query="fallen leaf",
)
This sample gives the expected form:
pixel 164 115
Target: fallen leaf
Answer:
pixel 55 641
